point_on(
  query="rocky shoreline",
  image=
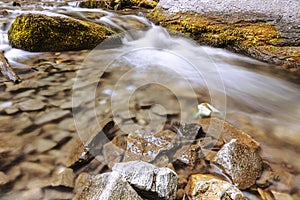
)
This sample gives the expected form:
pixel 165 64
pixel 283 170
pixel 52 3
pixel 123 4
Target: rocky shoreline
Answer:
pixel 252 34
pixel 42 156
pixel 255 31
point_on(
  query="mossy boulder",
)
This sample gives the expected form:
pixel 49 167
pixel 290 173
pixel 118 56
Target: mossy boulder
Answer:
pixel 40 33
pixel 251 35
pixel 117 4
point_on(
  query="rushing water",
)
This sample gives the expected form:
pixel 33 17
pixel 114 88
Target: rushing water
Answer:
pixel 244 96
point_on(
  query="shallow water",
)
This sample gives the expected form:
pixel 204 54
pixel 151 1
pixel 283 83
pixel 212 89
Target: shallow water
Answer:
pixel 259 103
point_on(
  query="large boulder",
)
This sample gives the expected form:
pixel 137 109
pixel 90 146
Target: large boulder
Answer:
pixel 253 28
pixel 40 33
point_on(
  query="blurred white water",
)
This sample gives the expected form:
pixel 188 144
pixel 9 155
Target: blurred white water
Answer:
pixel 270 103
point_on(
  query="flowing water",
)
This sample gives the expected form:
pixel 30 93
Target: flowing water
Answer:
pixel 264 106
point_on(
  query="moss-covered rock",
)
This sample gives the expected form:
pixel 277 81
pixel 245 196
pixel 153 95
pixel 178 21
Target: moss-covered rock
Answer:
pixel 255 38
pixel 117 4
pixel 40 33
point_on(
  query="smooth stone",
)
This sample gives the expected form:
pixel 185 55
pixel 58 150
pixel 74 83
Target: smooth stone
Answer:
pixel 58 194
pixel 32 194
pixel 14 124
pixel 31 105
pixel 51 116
pixel 35 169
pixel 43 145
pixel 27 93
pixel 242 163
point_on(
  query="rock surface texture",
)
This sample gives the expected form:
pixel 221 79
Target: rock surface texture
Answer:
pixel 240 162
pixel 151 181
pixel 285 10
pixel 265 30
pixel 37 32
pixel 210 187
pixel 108 186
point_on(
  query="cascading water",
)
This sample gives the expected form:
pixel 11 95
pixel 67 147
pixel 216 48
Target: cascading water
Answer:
pixel 219 77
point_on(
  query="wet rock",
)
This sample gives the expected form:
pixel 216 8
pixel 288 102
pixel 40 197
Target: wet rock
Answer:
pixel 32 194
pixel 61 136
pixel 35 169
pixel 146 146
pixel 240 162
pixel 265 194
pixel 63 177
pixel 189 155
pixel 68 124
pixel 151 182
pixel 210 187
pixel 31 105
pixel 3 178
pixel 42 145
pixel 27 93
pixel 104 186
pixel 50 116
pixel 218 24
pixel 25 84
pixel 70 153
pixel 282 196
pixel 37 32
pixel 219 128
pixel 188 131
pixel 117 4
pixel 10 149
pixel 14 125
pixel 14 172
pixel 11 110
pixel 54 194
pixel 112 154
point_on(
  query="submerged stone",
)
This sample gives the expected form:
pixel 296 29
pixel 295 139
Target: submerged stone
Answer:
pixel 240 162
pixel 40 33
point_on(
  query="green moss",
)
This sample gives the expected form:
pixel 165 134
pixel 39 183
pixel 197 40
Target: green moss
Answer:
pixel 36 32
pixel 258 39
pixel 296 53
pixel 215 31
pixel 117 4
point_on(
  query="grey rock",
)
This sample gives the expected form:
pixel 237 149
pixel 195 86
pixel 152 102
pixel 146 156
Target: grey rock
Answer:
pixel 288 10
pixel 151 182
pixel 107 186
pixel 240 162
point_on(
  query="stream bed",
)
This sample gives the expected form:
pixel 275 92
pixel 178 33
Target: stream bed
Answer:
pixel 145 74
